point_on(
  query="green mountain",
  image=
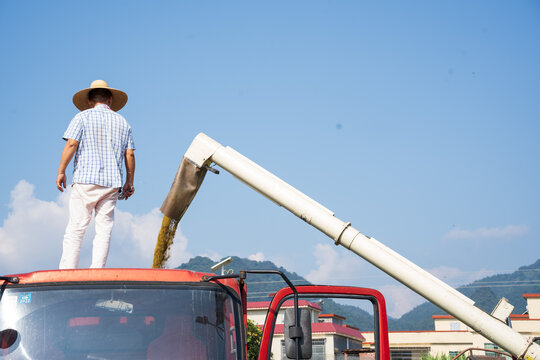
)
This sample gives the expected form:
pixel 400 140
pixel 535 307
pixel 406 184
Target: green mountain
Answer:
pixel 262 286
pixel 485 292
pixel 259 286
pixel 512 286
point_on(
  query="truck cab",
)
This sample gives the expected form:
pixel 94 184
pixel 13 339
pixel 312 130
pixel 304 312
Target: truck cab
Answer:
pixel 120 314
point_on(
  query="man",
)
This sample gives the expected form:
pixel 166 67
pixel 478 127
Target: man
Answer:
pixel 101 140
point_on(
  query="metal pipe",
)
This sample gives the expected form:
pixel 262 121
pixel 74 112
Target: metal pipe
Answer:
pixel 296 307
pixel 205 150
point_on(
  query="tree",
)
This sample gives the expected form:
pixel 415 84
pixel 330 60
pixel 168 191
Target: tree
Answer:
pixel 254 336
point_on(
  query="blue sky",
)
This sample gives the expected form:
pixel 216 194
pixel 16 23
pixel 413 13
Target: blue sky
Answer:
pixel 416 121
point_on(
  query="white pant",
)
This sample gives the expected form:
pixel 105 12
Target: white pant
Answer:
pixel 84 200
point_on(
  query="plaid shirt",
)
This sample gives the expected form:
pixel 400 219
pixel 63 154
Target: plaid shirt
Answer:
pixel 103 137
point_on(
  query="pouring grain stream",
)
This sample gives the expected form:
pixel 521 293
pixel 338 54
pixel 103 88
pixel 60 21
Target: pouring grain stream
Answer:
pixel 164 242
pixel 187 181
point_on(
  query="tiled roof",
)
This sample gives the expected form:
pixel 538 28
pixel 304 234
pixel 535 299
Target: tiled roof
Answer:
pixel 331 316
pixel 519 316
pixel 253 305
pixel 328 328
pixel 443 317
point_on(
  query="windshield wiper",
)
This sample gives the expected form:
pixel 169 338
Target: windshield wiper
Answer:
pixel 10 279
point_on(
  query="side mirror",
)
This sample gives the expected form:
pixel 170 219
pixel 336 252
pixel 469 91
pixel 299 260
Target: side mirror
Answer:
pixel 303 333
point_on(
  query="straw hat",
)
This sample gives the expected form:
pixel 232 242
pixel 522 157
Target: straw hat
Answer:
pixel 119 98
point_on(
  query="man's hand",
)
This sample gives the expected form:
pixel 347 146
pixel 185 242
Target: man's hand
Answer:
pixel 69 150
pixel 127 190
pixel 61 182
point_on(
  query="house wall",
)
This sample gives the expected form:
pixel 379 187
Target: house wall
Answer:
pixel 276 346
pixel 452 335
pixel 449 323
pixel 257 316
pixel 329 346
pixel 533 305
pixel 529 327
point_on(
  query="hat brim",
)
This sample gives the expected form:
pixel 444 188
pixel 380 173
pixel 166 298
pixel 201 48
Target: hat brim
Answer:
pixel 119 98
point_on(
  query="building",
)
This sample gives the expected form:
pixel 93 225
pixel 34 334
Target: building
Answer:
pixel 331 336
pixel 451 336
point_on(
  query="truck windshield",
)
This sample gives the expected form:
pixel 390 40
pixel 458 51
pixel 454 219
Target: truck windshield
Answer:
pixel 108 321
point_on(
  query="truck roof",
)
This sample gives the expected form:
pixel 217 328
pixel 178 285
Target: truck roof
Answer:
pixel 111 274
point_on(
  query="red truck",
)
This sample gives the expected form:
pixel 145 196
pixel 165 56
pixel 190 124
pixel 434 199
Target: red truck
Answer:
pixel 151 314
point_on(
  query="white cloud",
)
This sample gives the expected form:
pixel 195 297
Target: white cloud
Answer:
pixel 335 267
pixel 507 232
pixel 400 299
pixel 259 256
pixel 345 268
pixel 134 239
pixel 456 277
pixel 329 265
pixel 213 255
pixel 31 235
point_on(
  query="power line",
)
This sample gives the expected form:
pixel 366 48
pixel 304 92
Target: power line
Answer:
pixel 474 284
pixel 506 282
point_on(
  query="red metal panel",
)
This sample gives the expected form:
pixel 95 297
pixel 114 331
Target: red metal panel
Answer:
pixel 142 275
pixel 317 290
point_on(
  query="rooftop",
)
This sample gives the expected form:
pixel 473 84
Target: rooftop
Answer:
pixel 263 305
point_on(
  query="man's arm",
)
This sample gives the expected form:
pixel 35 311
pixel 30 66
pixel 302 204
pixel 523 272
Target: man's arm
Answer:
pixel 67 154
pixel 129 189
